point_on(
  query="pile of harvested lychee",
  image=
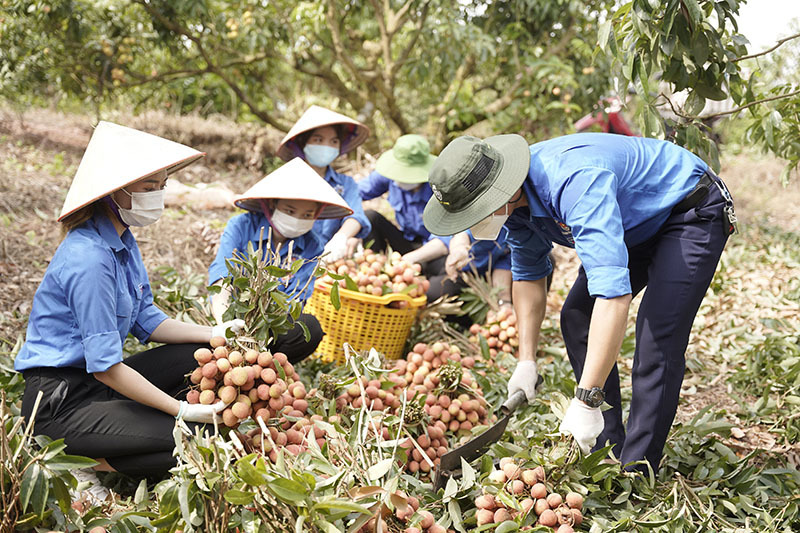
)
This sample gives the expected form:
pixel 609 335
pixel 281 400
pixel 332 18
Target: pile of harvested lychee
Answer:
pixel 529 489
pixel 500 331
pixel 257 384
pixel 378 274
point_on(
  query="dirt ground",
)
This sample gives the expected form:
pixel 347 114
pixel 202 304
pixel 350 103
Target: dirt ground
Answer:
pixel 40 151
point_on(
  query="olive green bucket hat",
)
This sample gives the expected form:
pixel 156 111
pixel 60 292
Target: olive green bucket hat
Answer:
pixel 409 161
pixel 473 178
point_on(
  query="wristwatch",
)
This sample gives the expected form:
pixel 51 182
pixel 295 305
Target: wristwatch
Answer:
pixel 593 397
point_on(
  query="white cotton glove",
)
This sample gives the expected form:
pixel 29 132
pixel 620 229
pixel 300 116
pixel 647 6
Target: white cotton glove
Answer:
pixel 524 379
pixel 457 259
pixel 236 326
pixel 584 423
pixel 196 412
pixel 336 248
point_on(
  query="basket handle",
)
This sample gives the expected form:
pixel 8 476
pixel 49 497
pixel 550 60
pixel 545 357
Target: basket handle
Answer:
pixel 384 299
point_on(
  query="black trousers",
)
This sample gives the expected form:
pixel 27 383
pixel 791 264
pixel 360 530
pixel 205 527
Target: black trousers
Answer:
pixel 98 422
pixel 677 266
pixel 293 342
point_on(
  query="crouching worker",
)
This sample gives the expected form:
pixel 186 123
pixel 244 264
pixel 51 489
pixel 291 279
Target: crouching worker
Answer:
pixel 120 412
pixel 403 173
pixel 289 201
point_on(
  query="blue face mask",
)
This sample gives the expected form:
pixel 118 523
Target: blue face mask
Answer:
pixel 319 155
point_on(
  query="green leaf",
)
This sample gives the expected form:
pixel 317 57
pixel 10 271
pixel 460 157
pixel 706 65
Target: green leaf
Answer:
pixel 337 303
pixel 29 479
pixel 603 34
pixel 239 497
pixel 695 14
pixel 141 492
pixel 326 527
pixel 287 490
pixel 379 469
pixel 342 505
pixel 70 462
pixel 249 474
pixel 350 284
pixel 454 510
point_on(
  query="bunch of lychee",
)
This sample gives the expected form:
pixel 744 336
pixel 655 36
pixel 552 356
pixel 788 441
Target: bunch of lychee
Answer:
pixel 423 521
pixel 500 331
pixel 529 488
pixel 377 274
pixel 442 375
pixel 425 450
pixel 377 394
pixel 252 383
pixel 295 439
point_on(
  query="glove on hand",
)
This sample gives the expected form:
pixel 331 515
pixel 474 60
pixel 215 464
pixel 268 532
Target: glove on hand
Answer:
pixel 204 414
pixel 524 379
pixel 584 423
pixel 456 260
pixel 236 325
pixel 336 248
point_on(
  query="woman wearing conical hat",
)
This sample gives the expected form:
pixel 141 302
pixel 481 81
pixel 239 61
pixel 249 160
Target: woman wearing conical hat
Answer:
pixel 319 137
pixel 94 293
pixel 285 208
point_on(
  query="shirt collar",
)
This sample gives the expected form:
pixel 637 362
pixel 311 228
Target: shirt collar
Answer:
pixel 109 233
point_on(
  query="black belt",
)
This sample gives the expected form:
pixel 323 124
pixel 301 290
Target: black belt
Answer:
pixel 699 192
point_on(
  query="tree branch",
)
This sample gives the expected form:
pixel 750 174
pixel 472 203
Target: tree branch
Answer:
pixel 439 129
pixel 336 37
pixel 505 100
pixel 397 19
pixel 730 111
pixel 412 43
pixel 211 67
pixel 781 42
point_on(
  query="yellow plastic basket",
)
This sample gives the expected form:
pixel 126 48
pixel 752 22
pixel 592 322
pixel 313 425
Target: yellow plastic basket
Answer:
pixel 364 321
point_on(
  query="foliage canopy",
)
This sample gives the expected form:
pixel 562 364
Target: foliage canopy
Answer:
pixel 429 66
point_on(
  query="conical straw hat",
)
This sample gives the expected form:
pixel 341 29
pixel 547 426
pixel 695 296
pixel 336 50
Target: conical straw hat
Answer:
pixel 118 156
pixel 295 180
pixel 316 117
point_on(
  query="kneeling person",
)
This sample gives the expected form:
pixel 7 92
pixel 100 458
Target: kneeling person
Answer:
pixel 289 201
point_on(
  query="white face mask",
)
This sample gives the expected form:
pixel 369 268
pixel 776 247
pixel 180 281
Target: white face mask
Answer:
pixel 407 186
pixel 489 228
pixel 289 226
pixel 146 208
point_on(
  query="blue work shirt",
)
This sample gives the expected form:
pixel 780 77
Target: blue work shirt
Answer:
pixel 94 292
pixel 599 193
pixel 494 253
pixel 246 228
pixel 347 189
pixel 408 205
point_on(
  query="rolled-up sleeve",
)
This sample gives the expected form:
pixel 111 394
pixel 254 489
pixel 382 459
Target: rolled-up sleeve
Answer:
pixel 529 251
pixel 373 186
pixel 91 293
pixel 588 201
pixel 149 316
pixel 444 238
pixel 352 196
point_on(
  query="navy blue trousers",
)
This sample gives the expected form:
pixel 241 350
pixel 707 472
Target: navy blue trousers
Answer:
pixel 676 266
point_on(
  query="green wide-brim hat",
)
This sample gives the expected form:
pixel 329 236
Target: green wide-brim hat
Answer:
pixel 473 178
pixel 409 161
